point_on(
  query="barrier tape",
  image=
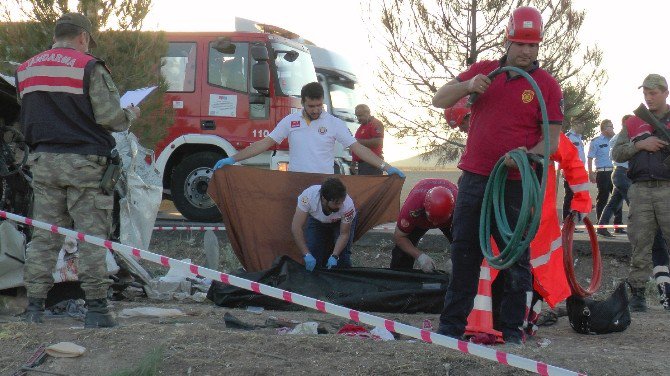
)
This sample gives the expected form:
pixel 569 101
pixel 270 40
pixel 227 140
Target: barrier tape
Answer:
pixel 190 228
pixel 380 227
pixel 223 228
pixel 326 307
pixel 604 226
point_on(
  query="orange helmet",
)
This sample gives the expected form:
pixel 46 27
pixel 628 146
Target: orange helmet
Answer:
pixel 439 205
pixel 457 113
pixel 525 26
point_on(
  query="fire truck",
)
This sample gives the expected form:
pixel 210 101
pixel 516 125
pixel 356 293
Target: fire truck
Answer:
pixel 227 91
pixel 340 85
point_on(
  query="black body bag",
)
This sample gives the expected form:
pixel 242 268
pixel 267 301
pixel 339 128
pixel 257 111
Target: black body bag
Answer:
pixel 588 316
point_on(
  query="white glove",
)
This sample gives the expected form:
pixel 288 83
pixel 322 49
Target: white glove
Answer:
pixel 426 263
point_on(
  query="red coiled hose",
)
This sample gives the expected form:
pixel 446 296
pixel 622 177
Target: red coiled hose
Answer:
pixel 568 260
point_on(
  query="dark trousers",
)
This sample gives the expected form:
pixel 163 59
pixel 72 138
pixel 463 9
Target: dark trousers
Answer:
pixel 614 206
pixel 659 250
pixel 320 238
pixel 567 200
pixel 402 260
pixel 364 168
pixel 605 186
pixel 466 257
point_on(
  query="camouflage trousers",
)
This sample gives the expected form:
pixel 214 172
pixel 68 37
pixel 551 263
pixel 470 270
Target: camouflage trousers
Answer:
pixel 649 210
pixel 67 194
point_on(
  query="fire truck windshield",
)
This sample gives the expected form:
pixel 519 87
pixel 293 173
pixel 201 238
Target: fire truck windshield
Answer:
pixel 293 75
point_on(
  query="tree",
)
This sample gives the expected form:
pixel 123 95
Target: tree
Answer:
pixel 132 56
pixel 428 43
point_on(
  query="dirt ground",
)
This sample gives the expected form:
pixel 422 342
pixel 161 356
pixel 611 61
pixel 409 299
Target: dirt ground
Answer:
pixel 201 344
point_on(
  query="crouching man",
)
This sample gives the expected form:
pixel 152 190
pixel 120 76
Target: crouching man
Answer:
pixel 429 205
pixel 325 215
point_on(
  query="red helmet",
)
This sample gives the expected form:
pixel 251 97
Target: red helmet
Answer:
pixel 525 26
pixel 439 205
pixel 457 113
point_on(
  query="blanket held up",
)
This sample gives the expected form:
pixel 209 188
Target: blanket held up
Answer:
pixel 258 206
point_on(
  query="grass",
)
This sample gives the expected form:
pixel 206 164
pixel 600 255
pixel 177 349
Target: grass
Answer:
pixel 148 365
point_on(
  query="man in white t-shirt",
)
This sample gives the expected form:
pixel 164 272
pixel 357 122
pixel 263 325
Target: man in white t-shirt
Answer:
pixel 325 215
pixel 311 134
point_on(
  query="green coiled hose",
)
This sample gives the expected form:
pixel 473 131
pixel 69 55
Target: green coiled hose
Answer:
pixel 515 240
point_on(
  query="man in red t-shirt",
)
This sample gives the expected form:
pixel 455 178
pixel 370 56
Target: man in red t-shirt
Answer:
pixel 506 116
pixel 429 205
pixel 370 134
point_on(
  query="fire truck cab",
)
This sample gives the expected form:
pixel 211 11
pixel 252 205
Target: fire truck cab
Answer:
pixel 227 91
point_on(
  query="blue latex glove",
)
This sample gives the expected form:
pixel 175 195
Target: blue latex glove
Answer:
pixel 394 170
pixel 224 162
pixel 332 262
pixel 310 262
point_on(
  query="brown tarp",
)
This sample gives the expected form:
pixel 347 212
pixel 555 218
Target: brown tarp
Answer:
pixel 258 207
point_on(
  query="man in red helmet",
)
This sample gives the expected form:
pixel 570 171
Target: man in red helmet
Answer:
pixel 506 116
pixel 429 205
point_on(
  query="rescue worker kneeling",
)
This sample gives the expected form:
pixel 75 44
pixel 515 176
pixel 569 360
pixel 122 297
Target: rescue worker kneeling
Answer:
pixel 325 215
pixel 429 205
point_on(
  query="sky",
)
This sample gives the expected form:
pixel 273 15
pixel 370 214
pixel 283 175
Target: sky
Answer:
pixel 632 38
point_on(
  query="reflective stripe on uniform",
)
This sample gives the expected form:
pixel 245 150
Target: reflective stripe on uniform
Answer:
pixel 542 260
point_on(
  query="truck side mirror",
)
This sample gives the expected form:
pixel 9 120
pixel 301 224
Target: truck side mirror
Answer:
pixel 259 53
pixel 260 71
pixel 224 45
pixel 291 56
pixel 260 74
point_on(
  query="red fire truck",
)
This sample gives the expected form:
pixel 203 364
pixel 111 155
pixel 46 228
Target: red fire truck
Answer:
pixel 228 90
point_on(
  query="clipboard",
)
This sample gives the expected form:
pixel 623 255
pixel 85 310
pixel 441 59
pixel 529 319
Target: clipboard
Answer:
pixel 135 97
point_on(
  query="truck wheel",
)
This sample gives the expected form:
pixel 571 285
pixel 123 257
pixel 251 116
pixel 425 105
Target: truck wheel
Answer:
pixel 190 180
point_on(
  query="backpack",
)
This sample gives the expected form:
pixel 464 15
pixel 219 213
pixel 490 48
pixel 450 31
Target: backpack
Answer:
pixel 588 316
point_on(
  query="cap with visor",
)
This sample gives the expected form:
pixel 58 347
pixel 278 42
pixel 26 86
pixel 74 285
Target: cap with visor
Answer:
pixel 654 81
pixel 80 21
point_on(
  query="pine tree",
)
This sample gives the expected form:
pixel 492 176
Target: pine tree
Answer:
pixel 133 56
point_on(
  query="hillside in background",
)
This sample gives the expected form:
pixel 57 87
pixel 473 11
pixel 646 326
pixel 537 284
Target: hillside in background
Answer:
pixel 418 163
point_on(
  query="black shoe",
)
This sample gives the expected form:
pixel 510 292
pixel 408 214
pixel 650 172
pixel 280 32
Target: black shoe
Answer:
pixel 638 303
pixel 445 331
pixel 98 315
pixel 513 342
pixel 620 231
pixel 34 311
pixel 604 232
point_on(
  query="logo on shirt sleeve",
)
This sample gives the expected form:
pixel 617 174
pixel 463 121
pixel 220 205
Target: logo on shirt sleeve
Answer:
pixel 304 200
pixel 404 223
pixel 295 123
pixel 349 216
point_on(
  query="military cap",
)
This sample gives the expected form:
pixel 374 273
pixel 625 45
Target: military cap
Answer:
pixel 80 21
pixel 654 81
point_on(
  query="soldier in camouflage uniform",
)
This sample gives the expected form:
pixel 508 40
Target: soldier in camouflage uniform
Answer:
pixel 646 150
pixel 69 107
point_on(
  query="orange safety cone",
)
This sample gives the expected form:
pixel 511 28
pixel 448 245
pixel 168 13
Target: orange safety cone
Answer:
pixel 480 320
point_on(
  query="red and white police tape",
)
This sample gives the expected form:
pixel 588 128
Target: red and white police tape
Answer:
pixel 386 226
pixel 190 228
pixel 357 316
